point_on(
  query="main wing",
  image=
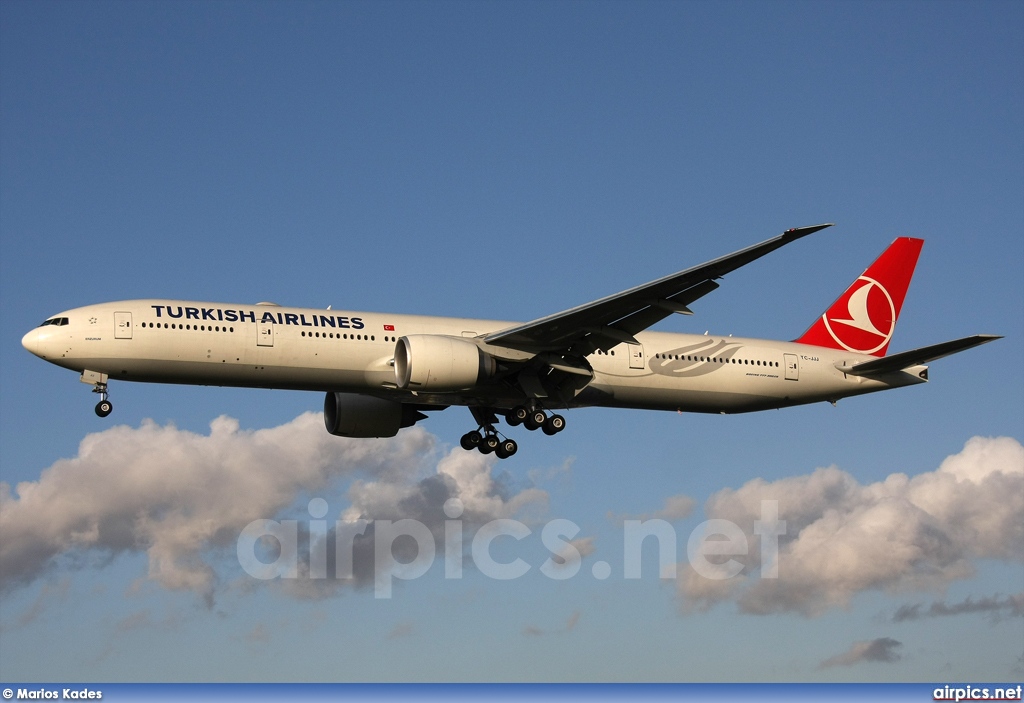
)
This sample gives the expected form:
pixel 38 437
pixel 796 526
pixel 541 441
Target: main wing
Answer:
pixel 604 323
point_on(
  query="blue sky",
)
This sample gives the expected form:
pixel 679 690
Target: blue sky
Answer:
pixel 506 161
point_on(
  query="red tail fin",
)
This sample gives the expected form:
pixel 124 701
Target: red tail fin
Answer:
pixel 864 317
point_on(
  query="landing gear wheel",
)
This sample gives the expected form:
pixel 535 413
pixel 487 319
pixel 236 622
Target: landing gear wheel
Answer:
pixel 471 440
pixel 104 407
pixel 507 448
pixel 554 425
pixel 517 415
pixel 489 444
pixel 535 420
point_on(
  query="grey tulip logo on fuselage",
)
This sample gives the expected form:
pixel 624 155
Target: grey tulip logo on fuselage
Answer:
pixel 696 359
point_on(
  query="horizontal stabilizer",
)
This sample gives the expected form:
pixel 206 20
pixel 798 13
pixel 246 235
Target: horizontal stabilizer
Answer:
pixel 903 360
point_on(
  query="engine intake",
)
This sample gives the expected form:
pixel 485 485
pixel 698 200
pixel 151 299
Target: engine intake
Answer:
pixel 439 363
pixel 352 415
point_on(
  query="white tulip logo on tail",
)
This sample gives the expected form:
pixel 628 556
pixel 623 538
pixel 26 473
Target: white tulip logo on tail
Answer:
pixel 871 321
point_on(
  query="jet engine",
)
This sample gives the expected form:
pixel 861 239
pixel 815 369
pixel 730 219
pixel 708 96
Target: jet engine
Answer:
pixel 353 415
pixel 437 363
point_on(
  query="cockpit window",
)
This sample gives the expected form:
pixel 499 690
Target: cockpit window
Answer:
pixel 60 321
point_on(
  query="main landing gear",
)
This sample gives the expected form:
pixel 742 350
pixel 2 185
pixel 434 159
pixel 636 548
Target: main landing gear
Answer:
pixel 104 407
pixel 486 439
pixel 535 419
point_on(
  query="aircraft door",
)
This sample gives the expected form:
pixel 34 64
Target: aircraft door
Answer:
pixel 636 356
pixel 122 325
pixel 264 334
pixel 792 367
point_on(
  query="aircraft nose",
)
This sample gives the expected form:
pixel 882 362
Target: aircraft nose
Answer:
pixel 33 342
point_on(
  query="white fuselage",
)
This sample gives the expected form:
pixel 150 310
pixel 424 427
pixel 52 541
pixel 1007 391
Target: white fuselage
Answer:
pixel 268 346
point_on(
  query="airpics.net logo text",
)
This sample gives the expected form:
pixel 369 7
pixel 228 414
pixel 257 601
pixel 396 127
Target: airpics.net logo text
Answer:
pixel 270 549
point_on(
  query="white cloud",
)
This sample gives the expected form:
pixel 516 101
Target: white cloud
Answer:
pixel 842 537
pixel 183 498
pixel 677 507
pixel 257 635
pixel 49 594
pixel 584 545
pixel 581 546
pixel 991 606
pixel 467 476
pixel 402 629
pixel 174 493
pixel 570 625
pixel 883 649
pixel 462 475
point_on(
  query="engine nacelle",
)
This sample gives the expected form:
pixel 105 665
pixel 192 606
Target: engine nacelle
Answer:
pixel 352 415
pixel 437 363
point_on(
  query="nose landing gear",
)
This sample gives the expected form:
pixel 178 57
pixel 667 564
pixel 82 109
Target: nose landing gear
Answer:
pixel 104 407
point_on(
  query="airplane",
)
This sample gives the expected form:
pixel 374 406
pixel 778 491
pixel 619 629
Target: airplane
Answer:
pixel 383 372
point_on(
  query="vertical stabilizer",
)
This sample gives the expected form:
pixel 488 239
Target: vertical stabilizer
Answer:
pixel 863 319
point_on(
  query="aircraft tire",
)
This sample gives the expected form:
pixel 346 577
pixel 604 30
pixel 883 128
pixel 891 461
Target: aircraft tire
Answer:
pixel 554 424
pixel 471 440
pixel 516 416
pixel 535 420
pixel 489 444
pixel 104 408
